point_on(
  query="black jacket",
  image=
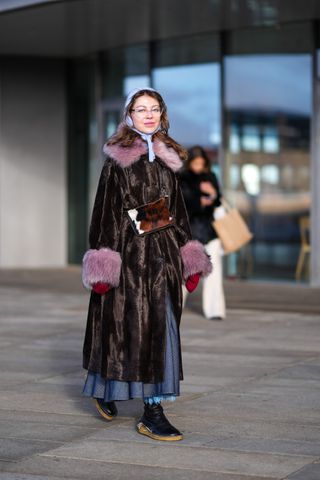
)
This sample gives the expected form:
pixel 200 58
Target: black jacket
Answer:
pixel 200 217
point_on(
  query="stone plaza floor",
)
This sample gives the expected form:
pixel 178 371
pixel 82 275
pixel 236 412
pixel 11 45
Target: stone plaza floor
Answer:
pixel 249 409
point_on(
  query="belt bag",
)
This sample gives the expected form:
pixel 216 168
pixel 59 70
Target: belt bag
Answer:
pixel 150 217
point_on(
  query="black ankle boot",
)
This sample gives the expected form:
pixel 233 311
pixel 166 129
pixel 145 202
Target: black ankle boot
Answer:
pixel 107 410
pixel 154 424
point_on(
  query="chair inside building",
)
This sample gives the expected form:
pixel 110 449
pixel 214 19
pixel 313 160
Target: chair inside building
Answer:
pixel 305 247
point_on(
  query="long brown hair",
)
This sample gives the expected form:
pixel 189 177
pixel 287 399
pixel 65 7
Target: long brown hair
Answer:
pixel 126 136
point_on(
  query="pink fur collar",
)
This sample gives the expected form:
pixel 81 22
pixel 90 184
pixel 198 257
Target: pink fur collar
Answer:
pixel 126 156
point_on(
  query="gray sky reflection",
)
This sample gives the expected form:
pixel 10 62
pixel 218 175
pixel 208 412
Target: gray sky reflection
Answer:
pixel 265 83
pixel 269 83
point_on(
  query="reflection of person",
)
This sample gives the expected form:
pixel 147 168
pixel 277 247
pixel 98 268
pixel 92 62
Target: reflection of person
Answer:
pixel 137 261
pixel 202 196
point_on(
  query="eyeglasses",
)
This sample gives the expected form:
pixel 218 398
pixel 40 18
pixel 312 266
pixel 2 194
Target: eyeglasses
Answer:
pixel 141 112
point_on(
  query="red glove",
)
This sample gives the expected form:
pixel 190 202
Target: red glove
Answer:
pixel 192 282
pixel 100 288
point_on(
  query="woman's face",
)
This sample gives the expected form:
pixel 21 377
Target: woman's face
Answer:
pixel 146 114
pixel 197 165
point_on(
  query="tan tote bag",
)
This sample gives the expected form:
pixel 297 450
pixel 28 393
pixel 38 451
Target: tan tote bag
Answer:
pixel 232 229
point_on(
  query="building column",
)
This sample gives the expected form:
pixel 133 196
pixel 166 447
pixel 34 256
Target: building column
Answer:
pixel 315 164
pixel 33 214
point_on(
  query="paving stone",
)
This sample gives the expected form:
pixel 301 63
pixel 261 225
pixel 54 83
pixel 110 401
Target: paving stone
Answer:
pixel 250 406
pixel 42 431
pixel 75 378
pixel 184 457
pixel 43 366
pixel 304 371
pixel 59 403
pixel 261 445
pixel 309 472
pixel 248 410
pixel 280 380
pixel 232 441
pixel 87 469
pixel 16 448
pixel 232 427
pixel 9 379
pixel 91 419
pixel 17 476
pixel 40 386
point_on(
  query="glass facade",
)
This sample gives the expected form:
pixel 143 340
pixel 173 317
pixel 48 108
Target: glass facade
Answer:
pixel 187 73
pixel 268 109
pixel 246 97
pixel 194 116
pixel 267 116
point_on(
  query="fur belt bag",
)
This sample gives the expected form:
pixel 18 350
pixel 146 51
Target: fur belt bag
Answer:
pixel 150 217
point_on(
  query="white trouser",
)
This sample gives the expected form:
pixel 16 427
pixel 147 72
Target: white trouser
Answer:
pixel 213 303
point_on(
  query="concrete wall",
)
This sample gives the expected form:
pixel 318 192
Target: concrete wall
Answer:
pixel 33 191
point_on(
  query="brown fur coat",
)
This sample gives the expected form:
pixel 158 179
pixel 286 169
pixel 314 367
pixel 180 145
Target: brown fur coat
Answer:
pixel 125 334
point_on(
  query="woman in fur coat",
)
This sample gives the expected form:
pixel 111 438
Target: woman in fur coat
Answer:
pixel 141 252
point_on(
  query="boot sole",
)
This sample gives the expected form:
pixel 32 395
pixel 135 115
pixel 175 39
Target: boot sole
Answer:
pixel 102 412
pixel 143 430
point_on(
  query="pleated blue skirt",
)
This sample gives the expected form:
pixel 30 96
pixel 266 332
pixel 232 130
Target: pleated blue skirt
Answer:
pixel 111 390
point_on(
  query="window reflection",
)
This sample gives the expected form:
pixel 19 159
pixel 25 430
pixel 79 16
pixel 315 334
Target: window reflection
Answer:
pixel 270 140
pixel 270 174
pixel 234 140
pixel 135 81
pixel 268 107
pixel 192 93
pixel 234 177
pixel 251 138
pixel 250 176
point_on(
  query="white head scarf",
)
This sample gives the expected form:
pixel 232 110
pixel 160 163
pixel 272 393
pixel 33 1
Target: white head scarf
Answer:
pixel 146 136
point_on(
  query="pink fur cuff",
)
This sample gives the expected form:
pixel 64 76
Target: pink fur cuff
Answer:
pixel 103 266
pixel 195 259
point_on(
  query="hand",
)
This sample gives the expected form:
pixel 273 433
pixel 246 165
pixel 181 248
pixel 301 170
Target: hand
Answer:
pixel 192 282
pixel 206 201
pixel 208 188
pixel 100 288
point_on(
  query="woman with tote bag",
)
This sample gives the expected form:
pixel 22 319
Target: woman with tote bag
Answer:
pixel 202 196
